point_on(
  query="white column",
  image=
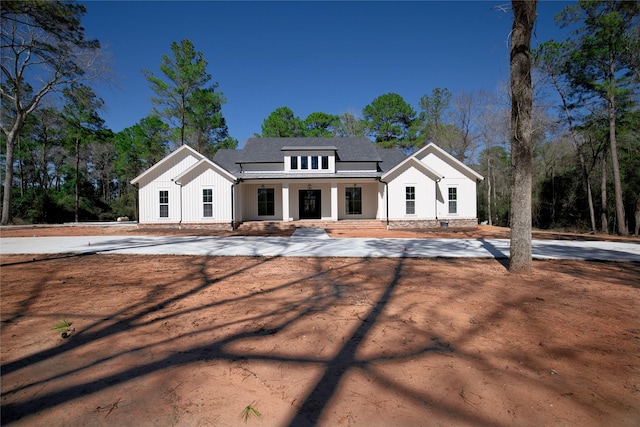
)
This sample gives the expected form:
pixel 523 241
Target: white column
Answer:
pixel 334 201
pixel 285 202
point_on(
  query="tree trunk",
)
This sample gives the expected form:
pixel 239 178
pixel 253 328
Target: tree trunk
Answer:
pixel 8 179
pixel 637 216
pixel 489 191
pixel 603 194
pixel 615 166
pixel 524 15
pixel 77 187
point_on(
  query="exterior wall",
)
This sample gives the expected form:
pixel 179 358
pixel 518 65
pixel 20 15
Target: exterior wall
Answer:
pixel 192 204
pixel 319 153
pixel 249 200
pixel 161 180
pixel 432 223
pixel 356 166
pixel 425 203
pixel 262 167
pixel 369 200
pixel 467 188
pixel 294 199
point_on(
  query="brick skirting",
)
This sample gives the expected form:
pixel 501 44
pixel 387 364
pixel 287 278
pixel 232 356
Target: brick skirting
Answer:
pixel 222 226
pixel 435 223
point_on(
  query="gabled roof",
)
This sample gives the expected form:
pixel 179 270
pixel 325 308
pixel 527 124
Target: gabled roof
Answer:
pixel 433 148
pixel 418 165
pixel 269 150
pixel 207 163
pixel 180 150
pixel 391 157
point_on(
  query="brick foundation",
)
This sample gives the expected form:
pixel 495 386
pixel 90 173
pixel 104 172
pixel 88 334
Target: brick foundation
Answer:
pixel 434 223
pixel 222 226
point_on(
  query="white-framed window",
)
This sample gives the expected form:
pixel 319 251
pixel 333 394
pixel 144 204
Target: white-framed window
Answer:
pixel 453 200
pixel 325 162
pixel 164 203
pixel 353 200
pixel 207 202
pixel 266 202
pixel 314 162
pixel 410 200
pixel 294 162
pixel 304 162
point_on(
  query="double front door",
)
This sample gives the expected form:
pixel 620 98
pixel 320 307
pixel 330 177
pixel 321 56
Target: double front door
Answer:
pixel 310 204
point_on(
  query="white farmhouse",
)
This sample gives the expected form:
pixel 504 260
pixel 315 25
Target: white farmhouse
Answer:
pixel 320 179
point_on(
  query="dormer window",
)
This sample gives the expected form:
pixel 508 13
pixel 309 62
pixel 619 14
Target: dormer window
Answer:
pixel 325 162
pixel 294 162
pixel 314 162
pixel 304 162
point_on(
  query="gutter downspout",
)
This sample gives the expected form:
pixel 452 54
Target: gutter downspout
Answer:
pixel 233 208
pixel 386 197
pixel 436 198
pixel 180 221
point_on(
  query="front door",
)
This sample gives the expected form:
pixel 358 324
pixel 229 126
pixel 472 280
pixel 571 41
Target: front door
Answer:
pixel 309 204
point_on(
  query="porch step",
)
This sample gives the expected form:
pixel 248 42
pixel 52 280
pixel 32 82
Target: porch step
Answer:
pixel 332 225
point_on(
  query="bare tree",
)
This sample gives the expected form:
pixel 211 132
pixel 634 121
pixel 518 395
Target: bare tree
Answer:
pixel 524 16
pixel 43 50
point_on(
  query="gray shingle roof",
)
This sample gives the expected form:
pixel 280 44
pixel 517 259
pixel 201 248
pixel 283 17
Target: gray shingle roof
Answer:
pixel 270 150
pixel 348 149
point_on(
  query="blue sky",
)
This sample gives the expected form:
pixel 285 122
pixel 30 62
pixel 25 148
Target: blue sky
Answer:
pixel 329 56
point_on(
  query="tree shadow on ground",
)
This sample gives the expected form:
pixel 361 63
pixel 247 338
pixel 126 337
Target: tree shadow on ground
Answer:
pixel 291 303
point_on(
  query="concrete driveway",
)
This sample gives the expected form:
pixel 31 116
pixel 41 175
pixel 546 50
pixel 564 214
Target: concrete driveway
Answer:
pixel 316 244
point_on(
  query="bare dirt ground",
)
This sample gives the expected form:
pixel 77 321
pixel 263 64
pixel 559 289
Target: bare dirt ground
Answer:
pixel 193 341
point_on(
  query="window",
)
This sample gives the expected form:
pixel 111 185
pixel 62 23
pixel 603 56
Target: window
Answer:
pixel 353 198
pixel 266 202
pixel 410 200
pixel 304 162
pixel 207 202
pixel 294 162
pixel 164 204
pixel 453 200
pixel 314 162
pixel 325 162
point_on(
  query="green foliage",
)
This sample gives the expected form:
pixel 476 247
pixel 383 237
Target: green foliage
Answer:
pixel 42 43
pixel 62 325
pixel 282 123
pixel 250 411
pixel 321 125
pixel 186 101
pixel 389 118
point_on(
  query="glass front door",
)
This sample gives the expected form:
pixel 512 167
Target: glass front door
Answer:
pixel 310 204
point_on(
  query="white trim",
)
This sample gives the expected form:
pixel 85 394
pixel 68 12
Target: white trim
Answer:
pixel 164 160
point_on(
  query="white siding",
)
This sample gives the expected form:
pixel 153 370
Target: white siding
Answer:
pixel 250 202
pixel 262 167
pixel 425 202
pixel 369 201
pixel 192 206
pixel 357 166
pixel 161 180
pixel 453 177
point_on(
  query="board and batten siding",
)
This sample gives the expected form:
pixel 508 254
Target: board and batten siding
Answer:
pixel 192 201
pixel 453 177
pixel 369 201
pixel 250 202
pixel 425 202
pixel 152 184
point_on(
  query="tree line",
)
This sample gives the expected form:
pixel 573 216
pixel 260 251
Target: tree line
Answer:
pixel 62 164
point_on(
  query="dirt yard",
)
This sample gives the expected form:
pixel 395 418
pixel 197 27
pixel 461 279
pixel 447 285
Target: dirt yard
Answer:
pixel 195 341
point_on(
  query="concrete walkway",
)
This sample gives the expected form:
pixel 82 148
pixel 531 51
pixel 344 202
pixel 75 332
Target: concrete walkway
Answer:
pixel 316 243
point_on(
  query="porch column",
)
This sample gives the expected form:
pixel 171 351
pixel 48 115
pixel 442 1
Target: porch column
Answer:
pixel 334 201
pixel 285 201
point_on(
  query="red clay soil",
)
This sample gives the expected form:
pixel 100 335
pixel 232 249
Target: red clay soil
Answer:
pixel 190 340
